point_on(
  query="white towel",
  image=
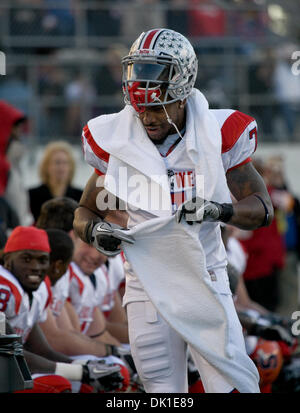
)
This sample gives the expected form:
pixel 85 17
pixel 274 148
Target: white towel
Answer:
pixel 132 154
pixel 169 261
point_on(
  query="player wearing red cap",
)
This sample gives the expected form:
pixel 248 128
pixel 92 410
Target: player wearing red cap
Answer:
pixel 24 298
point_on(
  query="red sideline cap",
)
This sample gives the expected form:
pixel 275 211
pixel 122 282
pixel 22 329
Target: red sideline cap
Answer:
pixel 27 238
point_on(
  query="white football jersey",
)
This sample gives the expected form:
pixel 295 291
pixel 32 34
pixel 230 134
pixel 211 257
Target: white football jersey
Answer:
pixel 113 275
pixel 22 314
pixel 84 296
pixel 60 293
pixel 239 141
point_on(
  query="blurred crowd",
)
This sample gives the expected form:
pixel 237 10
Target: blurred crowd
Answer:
pixel 77 47
pixel 127 17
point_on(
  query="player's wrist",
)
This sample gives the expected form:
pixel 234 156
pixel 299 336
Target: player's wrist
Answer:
pixel 226 212
pixel 69 371
pixel 111 350
pixel 266 216
pixel 88 231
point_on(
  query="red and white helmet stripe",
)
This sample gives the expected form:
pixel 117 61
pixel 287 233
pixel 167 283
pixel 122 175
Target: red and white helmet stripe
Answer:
pixel 149 39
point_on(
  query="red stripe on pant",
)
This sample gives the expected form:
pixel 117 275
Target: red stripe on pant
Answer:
pixel 49 384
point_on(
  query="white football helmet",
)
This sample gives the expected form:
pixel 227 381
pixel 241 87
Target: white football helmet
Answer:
pixel 161 68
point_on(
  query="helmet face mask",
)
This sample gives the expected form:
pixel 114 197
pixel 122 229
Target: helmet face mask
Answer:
pixel 160 74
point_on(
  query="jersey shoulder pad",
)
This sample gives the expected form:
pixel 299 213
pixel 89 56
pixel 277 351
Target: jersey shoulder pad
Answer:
pixel 232 123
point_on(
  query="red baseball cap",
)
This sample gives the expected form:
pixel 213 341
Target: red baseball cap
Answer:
pixel 27 238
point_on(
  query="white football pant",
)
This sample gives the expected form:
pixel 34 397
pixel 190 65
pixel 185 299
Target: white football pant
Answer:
pixel 160 354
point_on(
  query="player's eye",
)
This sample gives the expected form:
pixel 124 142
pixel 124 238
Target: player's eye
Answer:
pixel 157 109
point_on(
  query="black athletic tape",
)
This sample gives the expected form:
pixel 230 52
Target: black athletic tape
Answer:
pixel 266 218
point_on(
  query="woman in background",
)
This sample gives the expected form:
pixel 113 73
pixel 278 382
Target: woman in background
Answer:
pixel 57 170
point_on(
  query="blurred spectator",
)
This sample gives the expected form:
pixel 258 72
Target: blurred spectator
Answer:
pixel 104 21
pixel 59 21
pixel 140 16
pixel 57 169
pixel 287 88
pixel 51 86
pixel 249 23
pixel 266 256
pixel 51 80
pixel 108 79
pixel 261 86
pixel 287 211
pixel 177 17
pixel 80 95
pixel 11 150
pixel 26 20
pixel 15 88
pixel 205 19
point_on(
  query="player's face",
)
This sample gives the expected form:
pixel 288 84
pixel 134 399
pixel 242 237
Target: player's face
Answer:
pixel 57 269
pixel 156 124
pixel 87 257
pixel 29 267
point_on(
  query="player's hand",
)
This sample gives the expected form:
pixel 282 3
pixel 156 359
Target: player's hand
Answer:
pixel 104 377
pixel 107 237
pixel 199 210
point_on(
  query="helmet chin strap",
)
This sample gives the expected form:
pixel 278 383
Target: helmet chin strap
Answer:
pixel 168 117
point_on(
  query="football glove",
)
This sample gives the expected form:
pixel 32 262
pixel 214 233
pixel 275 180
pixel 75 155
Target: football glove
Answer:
pixel 104 377
pixel 107 237
pixel 199 210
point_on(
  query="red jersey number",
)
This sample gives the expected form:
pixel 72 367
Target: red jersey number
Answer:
pixel 4 297
pixel 253 134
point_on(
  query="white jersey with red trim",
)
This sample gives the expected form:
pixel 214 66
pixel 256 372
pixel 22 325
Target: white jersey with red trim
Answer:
pixel 239 141
pixel 60 293
pixel 113 275
pixel 84 295
pixel 21 312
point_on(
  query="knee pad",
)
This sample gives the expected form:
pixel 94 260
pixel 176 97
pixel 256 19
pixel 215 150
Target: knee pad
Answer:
pixel 152 354
pixel 150 343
